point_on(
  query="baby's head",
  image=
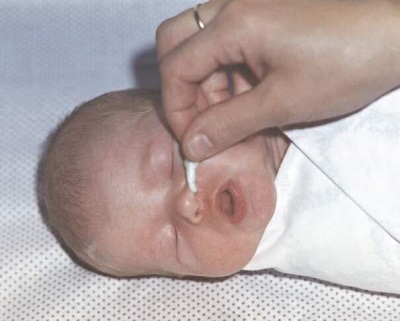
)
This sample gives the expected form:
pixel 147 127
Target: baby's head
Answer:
pixel 115 191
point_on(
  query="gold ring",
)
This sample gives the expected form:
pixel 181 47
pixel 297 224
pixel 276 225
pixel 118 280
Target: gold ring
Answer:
pixel 199 22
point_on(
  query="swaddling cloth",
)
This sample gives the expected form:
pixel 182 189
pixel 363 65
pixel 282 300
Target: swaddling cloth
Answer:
pixel 338 211
pixel 191 175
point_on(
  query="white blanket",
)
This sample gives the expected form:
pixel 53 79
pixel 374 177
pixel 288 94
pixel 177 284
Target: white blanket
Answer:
pixel 338 210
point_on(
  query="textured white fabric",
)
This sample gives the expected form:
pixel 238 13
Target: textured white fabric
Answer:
pixel 55 54
pixel 338 211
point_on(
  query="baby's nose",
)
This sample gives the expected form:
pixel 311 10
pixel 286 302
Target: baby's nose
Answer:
pixel 188 206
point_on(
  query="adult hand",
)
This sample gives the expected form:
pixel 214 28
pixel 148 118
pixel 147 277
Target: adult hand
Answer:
pixel 304 61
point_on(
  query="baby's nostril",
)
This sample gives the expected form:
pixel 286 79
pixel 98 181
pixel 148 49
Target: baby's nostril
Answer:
pixel 226 202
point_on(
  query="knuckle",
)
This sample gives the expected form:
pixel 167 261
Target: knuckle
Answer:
pixel 240 13
pixel 237 23
pixel 236 9
pixel 162 29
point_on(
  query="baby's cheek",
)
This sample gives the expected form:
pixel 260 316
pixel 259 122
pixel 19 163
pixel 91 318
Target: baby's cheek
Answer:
pixel 264 202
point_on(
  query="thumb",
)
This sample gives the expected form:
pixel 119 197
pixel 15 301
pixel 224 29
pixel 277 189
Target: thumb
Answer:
pixel 224 124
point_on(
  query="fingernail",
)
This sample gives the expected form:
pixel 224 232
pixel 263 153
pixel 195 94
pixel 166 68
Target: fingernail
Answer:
pixel 199 146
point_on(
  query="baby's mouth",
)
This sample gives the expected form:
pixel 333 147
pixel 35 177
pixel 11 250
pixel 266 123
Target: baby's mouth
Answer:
pixel 227 202
pixel 230 202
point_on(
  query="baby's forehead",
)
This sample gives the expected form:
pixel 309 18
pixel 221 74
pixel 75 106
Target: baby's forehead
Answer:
pixel 150 138
pixel 132 158
pixel 124 130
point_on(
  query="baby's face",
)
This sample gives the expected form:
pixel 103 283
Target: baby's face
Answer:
pixel 154 225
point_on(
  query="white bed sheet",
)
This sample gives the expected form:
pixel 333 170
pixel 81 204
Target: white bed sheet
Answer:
pixel 53 56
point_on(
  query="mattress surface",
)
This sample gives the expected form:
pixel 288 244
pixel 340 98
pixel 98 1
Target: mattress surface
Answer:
pixel 55 55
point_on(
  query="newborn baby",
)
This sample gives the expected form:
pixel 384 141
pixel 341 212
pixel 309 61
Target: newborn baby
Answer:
pixel 116 193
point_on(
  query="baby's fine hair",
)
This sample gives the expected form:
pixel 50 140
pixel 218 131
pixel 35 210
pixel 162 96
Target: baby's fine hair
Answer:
pixel 65 184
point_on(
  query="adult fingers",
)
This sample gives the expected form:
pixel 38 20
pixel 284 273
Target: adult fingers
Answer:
pixel 242 79
pixel 215 88
pixel 183 70
pixel 227 123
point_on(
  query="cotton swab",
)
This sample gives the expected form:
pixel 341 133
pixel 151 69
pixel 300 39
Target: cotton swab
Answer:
pixel 191 175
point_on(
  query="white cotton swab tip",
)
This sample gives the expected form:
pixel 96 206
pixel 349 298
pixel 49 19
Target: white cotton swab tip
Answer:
pixel 191 175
